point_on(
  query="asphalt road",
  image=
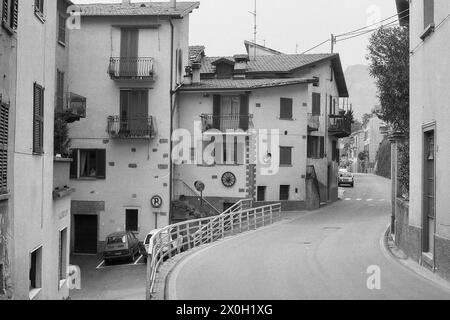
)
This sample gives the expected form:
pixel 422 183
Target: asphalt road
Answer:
pixel 320 255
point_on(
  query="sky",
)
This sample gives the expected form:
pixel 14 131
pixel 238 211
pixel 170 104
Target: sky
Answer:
pixel 289 26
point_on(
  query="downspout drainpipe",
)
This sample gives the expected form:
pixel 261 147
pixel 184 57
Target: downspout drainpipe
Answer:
pixel 172 92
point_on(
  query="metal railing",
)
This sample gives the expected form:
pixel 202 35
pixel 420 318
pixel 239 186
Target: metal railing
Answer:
pixel 130 128
pixel 176 238
pixel 340 125
pixel 131 68
pixel 181 188
pixel 226 122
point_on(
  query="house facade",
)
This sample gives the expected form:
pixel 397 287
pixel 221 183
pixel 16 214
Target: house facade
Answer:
pixel 254 126
pixel 127 60
pixel 38 219
pixel 374 133
pixel 424 233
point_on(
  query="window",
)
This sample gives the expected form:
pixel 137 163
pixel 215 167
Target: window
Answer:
pixel 10 14
pixel 38 119
pixel 39 7
pixel 317 81
pixel 88 163
pixel 331 104
pixel 428 13
pixel 224 70
pixel 59 91
pixel 62 29
pixel 261 193
pixel 316 104
pixel 4 127
pixel 286 156
pixel 36 269
pixel 63 255
pixel 132 220
pixel 233 152
pixel 286 108
pixel 284 193
pixel 316 147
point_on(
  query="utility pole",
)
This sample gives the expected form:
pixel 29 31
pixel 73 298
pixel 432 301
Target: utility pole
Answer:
pixel 333 42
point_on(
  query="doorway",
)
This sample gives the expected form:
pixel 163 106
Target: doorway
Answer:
pixel 429 210
pixel 86 228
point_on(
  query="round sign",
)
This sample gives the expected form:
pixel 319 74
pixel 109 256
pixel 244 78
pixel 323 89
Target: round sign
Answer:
pixel 200 186
pixel 156 202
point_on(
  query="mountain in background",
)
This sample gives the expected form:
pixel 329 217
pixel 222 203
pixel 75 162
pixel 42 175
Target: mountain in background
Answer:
pixel 362 90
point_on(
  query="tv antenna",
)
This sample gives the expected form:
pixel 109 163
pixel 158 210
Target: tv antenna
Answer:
pixel 255 30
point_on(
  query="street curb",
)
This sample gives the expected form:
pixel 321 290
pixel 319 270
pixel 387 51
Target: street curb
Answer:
pixel 412 266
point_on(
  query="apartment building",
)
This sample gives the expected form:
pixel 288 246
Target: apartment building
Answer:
pixel 228 108
pixel 424 232
pixel 38 198
pixel 8 43
pixel 127 60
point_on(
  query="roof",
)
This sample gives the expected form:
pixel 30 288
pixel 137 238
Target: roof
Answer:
pixel 276 63
pixel 249 44
pixel 243 84
pixel 138 9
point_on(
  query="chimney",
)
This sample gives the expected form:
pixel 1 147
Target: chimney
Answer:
pixel 196 73
pixel 173 4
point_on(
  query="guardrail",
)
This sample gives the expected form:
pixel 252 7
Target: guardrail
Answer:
pixel 166 243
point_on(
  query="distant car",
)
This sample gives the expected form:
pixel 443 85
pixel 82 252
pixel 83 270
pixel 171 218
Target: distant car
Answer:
pixel 167 241
pixel 346 178
pixel 121 245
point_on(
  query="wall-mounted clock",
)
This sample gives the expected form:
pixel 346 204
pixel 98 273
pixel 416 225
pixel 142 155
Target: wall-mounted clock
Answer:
pixel 228 179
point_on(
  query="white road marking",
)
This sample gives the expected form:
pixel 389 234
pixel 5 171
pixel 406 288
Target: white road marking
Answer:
pixel 369 200
pixel 348 199
pixel 101 264
pixel 358 199
pixel 381 200
pixel 139 259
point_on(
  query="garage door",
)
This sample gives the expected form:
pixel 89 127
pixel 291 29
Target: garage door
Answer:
pixel 85 234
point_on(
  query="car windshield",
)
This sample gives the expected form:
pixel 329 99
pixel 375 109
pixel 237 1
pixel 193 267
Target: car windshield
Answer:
pixel 116 239
pixel 346 175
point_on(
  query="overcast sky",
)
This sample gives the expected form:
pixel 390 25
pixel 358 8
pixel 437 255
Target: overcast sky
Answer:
pixel 284 25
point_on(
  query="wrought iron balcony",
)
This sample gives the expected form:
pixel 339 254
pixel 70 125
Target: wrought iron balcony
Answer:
pixel 226 122
pixel 313 122
pixel 131 128
pixel 339 126
pixel 131 68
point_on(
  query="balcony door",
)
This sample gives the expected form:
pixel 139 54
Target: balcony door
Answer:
pixel 134 117
pixel 231 112
pixel 129 46
pixel 429 211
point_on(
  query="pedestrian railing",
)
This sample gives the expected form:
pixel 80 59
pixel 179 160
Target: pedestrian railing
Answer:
pixel 180 237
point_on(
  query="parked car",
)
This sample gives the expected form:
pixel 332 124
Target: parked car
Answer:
pixel 168 241
pixel 121 245
pixel 346 178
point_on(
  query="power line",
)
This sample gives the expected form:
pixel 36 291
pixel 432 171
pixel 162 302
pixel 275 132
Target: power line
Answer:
pixel 368 31
pixel 320 44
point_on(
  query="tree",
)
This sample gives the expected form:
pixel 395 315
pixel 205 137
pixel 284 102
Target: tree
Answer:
pixel 61 142
pixel 383 159
pixel 389 65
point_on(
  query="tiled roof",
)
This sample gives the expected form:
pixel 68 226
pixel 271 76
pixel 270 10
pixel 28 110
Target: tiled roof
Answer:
pixel 196 53
pixel 274 63
pixel 138 9
pixel 242 84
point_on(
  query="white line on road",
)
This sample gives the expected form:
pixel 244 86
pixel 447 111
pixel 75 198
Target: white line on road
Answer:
pixel 139 259
pixel 369 199
pixel 348 199
pixel 358 199
pixel 101 264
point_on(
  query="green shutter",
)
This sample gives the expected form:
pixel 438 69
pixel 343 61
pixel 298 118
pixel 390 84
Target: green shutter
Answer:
pixel 286 105
pixel 74 165
pixel 15 14
pixel 216 111
pixel 322 147
pixel 244 113
pixel 38 118
pixel 101 164
pixel 316 104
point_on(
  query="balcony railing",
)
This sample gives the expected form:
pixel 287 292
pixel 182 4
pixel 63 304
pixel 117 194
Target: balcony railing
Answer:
pixel 131 128
pixel 313 122
pixel 226 122
pixel 131 68
pixel 339 126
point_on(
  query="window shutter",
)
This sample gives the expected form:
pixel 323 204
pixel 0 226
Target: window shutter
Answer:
pixel 216 111
pixel 331 104
pixel 101 164
pixel 322 147
pixel 243 112
pixel 38 119
pixel 316 104
pixel 428 13
pixel 285 155
pixel 4 126
pixel 15 14
pixel 286 108
pixel 62 29
pixel 5 10
pixel 74 165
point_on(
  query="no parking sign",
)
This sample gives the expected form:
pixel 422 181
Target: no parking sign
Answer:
pixel 156 202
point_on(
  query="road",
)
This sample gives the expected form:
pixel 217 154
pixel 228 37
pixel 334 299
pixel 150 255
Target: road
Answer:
pixel 320 255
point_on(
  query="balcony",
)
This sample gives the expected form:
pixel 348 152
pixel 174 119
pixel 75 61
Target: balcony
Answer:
pixel 131 128
pixel 313 122
pixel 226 122
pixel 339 126
pixel 71 107
pixel 137 69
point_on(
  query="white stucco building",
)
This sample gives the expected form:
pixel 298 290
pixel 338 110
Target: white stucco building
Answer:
pixel 127 60
pixel 295 95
